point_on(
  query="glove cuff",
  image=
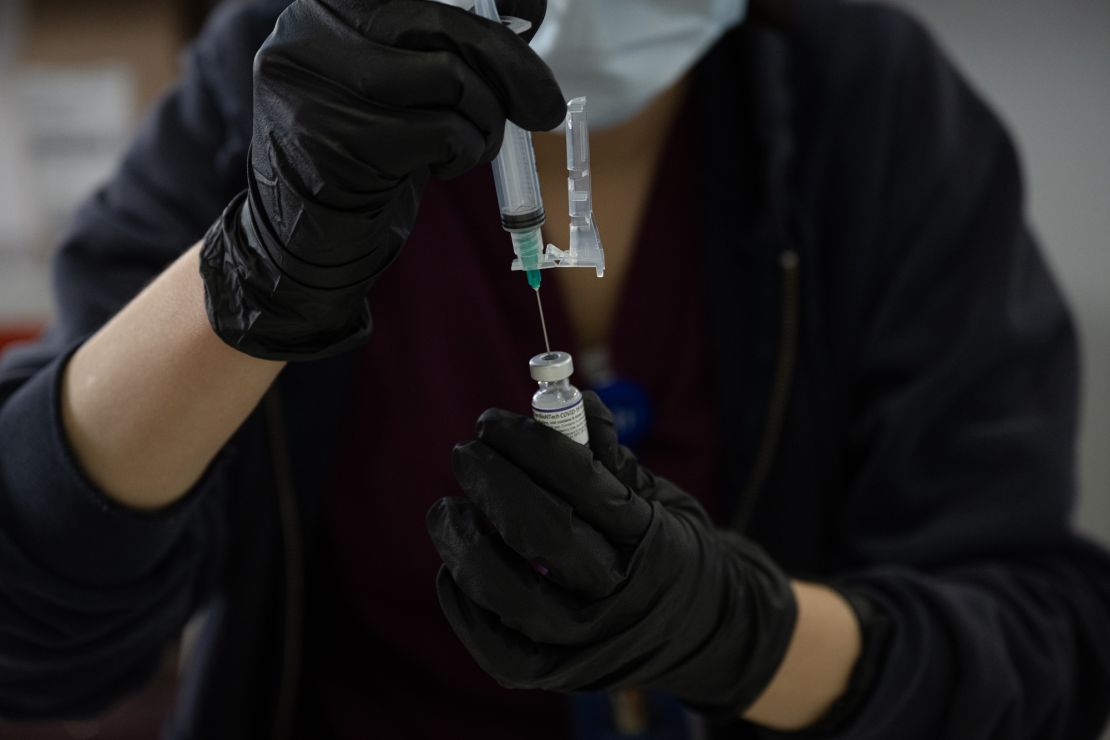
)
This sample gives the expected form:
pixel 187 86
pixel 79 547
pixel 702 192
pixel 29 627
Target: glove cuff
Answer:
pixel 257 308
pixel 753 638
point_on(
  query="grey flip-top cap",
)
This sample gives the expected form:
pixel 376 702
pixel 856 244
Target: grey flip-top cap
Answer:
pixel 549 367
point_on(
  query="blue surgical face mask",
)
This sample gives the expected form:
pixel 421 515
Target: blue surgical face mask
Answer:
pixel 621 54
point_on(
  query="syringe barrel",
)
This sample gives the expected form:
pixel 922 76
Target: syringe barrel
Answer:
pixel 514 170
pixel 518 184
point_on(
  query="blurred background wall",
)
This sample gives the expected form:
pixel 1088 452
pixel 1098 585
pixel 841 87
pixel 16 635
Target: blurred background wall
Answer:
pixel 1046 69
pixel 75 77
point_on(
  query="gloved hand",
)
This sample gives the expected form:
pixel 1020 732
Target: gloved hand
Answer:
pixel 356 103
pixel 640 591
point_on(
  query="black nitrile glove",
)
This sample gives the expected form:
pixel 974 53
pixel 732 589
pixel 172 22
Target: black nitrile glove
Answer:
pixel 640 591
pixel 356 103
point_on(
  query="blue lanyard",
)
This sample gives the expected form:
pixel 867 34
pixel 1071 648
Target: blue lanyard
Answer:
pixel 627 399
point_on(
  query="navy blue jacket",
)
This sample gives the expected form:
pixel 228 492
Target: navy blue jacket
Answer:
pixel 897 372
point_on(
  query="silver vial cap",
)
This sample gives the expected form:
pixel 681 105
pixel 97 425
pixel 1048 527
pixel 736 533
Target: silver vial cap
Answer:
pixel 549 367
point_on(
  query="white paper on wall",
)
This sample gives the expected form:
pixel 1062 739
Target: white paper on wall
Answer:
pixel 79 121
pixel 62 131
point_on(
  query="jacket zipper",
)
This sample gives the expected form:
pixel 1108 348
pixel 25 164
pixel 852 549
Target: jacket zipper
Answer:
pixel 780 389
pixel 293 547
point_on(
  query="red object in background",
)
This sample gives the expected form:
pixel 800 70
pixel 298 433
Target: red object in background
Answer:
pixel 17 333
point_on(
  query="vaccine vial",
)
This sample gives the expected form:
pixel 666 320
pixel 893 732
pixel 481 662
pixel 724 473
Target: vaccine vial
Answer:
pixel 558 404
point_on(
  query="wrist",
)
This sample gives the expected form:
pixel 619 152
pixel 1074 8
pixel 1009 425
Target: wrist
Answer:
pixel 818 664
pixel 875 627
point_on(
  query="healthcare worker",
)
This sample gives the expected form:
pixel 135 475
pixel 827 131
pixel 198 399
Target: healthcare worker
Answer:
pixel 852 382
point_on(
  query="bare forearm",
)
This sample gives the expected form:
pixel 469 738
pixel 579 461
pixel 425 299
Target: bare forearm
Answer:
pixel 151 398
pixel 818 663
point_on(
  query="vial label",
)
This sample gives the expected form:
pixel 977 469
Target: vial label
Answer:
pixel 571 421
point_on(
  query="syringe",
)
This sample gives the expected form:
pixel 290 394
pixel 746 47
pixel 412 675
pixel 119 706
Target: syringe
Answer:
pixel 518 185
